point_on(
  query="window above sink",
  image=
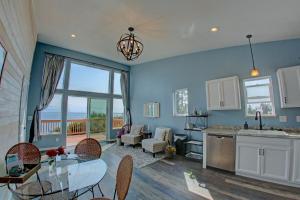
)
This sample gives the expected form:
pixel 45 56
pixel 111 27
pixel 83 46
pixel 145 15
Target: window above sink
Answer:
pixel 259 96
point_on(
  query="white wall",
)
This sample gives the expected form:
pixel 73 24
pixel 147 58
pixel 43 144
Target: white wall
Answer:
pixel 18 35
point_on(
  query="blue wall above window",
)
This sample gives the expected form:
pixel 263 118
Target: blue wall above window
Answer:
pixel 156 81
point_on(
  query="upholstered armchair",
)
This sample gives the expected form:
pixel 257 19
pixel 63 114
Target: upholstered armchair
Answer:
pixel 134 136
pixel 162 137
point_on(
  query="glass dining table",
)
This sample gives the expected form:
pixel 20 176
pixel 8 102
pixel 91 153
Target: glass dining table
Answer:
pixel 70 176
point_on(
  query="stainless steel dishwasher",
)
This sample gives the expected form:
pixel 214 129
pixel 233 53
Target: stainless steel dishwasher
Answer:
pixel 221 151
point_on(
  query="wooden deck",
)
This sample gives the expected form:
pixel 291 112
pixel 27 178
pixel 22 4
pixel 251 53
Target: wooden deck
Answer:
pixel 72 140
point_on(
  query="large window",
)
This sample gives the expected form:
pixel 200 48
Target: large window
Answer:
pixel 89 79
pixel 117 83
pixel 118 113
pixel 259 96
pixel 60 84
pixel 86 100
pixel 180 102
pixel 51 117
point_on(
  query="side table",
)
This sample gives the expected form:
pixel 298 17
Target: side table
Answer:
pixel 146 134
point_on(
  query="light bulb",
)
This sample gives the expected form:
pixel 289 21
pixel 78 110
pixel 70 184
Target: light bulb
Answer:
pixel 254 72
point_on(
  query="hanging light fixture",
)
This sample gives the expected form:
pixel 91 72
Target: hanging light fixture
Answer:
pixel 254 71
pixel 130 45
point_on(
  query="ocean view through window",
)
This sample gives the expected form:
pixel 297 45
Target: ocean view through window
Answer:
pixel 87 103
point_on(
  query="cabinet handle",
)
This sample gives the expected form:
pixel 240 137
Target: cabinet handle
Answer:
pixel 261 152
pixel 221 103
pixel 285 99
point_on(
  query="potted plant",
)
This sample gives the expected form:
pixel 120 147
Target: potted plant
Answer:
pixel 170 151
pixel 119 135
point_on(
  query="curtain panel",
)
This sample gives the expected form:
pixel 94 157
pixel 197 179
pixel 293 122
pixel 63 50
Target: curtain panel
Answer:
pixel 53 67
pixel 125 96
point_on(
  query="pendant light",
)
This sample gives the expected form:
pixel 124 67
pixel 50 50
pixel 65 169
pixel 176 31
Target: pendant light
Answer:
pixel 254 71
pixel 130 45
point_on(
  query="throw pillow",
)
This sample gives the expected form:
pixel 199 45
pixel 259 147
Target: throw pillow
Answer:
pixel 136 129
pixel 160 134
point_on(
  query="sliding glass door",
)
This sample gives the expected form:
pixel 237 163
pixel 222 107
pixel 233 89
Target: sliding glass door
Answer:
pixel 76 120
pixel 97 115
pixel 86 118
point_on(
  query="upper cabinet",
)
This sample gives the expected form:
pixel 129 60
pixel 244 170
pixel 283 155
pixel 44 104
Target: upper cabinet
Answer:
pixel 289 86
pixel 223 94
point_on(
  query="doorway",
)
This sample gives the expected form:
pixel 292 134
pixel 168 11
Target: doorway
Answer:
pixel 86 118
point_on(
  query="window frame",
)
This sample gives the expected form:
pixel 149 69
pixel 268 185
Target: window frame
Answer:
pixel 66 93
pixel 175 113
pixel 270 86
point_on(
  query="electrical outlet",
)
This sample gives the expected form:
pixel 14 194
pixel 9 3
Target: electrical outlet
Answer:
pixel 283 118
pixel 297 118
pixel 57 139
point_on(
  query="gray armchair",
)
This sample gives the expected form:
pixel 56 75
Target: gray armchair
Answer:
pixel 162 137
pixel 134 137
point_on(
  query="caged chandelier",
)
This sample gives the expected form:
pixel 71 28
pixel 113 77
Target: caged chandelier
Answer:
pixel 130 45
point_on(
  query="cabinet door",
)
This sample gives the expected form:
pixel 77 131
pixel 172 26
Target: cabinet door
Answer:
pixel 248 159
pixel 213 95
pixel 289 86
pixel 296 162
pixel 275 162
pixel 230 94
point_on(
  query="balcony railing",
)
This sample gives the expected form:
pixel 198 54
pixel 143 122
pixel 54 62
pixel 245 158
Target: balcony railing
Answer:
pixel 78 126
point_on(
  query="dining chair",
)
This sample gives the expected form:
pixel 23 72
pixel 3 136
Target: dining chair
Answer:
pixel 123 179
pixel 29 154
pixel 89 148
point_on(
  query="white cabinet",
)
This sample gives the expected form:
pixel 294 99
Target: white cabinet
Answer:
pixel 296 162
pixel 264 158
pixel 223 94
pixel 247 158
pixel 289 86
pixel 275 162
pixel 213 95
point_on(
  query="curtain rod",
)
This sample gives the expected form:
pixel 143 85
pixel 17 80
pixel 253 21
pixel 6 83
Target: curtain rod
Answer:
pixel 92 63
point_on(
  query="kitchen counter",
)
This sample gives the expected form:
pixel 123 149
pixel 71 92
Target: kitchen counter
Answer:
pixel 221 131
pixel 268 133
pixel 229 131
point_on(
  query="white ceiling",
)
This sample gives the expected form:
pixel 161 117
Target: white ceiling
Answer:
pixel 167 27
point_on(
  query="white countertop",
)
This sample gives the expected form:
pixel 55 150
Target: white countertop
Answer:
pixel 268 133
pixel 220 131
pixel 252 132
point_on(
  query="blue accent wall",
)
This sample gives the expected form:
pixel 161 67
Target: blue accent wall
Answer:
pixel 157 80
pixel 36 79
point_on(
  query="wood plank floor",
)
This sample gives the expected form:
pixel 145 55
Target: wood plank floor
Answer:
pixel 185 179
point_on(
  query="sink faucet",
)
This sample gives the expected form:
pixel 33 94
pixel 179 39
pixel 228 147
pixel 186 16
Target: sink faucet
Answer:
pixel 256 118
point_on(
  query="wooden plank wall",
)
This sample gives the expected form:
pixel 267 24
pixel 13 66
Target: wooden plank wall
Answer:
pixel 17 32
